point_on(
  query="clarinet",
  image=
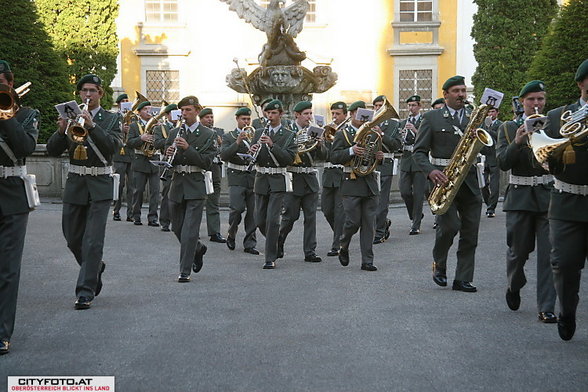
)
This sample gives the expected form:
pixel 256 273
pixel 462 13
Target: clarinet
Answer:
pixel 256 153
pixel 173 156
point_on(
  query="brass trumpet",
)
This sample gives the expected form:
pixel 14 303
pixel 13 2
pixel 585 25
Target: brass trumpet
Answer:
pixel 78 134
pixel 10 99
pixel 331 129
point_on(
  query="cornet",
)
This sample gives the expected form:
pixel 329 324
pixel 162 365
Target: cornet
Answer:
pixel 9 99
pixel 78 134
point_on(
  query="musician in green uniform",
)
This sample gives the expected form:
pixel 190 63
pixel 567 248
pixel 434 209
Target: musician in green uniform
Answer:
pixel 160 134
pixel 18 138
pixel 390 143
pixel 305 185
pixel 331 200
pixel 360 193
pixel 568 209
pixel 241 196
pixel 122 165
pixel 412 179
pixel 194 146
pixel 491 170
pixel 260 122
pixel 439 134
pixel 274 147
pixel 89 187
pixel 526 203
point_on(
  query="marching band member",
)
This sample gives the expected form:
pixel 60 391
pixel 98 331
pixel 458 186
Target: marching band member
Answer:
pixel 122 165
pixel 491 169
pixel 305 189
pixel 526 203
pixel 89 187
pixel 275 147
pixel 360 194
pixel 260 122
pixel 18 138
pixel 240 181
pixel 194 147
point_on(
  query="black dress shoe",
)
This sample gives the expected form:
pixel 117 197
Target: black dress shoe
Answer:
pixel 333 252
pixel 153 224
pixel 435 225
pixel 344 257
pixel 369 267
pixel 513 299
pixel 313 259
pixel 4 346
pixel 547 317
pixel 231 243
pixel 116 217
pixel 184 278
pixel 490 214
pixel 378 240
pixel 217 238
pixel 566 327
pixel 129 219
pixel 199 259
pixel 460 285
pixel 269 265
pixel 165 228
pixel 439 275
pixel 83 303
pixel 137 223
pixel 99 285
pixel 414 232
pixel 252 251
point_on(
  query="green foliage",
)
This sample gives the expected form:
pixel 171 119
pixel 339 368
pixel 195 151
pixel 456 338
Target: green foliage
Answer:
pixel 507 34
pixel 84 33
pixel 28 49
pixel 564 48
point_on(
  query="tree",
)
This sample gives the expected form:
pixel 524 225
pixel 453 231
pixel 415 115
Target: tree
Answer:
pixel 84 33
pixel 28 49
pixel 562 52
pixel 507 34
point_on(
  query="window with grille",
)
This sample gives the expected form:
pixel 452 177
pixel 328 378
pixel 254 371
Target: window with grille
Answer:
pixel 415 82
pixel 311 15
pixel 161 11
pixel 163 85
pixel 416 10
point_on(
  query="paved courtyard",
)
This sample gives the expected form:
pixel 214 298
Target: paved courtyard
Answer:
pixel 301 327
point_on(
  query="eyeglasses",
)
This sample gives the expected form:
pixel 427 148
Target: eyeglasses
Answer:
pixel 89 90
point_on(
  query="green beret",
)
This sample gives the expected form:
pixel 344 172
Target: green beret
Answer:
pixel 356 104
pixel 534 86
pixel 4 66
pixel 379 98
pixel 205 112
pixel 274 104
pixel 189 100
pixel 243 112
pixel 438 101
pixel 302 106
pixel 91 78
pixel 582 72
pixel 143 104
pixel 121 97
pixel 267 100
pixel 414 98
pixel 339 105
pixel 170 107
pixel 454 81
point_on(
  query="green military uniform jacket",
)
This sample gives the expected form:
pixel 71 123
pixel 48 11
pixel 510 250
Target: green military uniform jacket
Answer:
pixel 360 186
pixel 567 206
pixel 128 154
pixel 141 162
pixel 519 159
pixel 332 177
pixel 490 152
pixel 284 149
pixel 438 135
pixel 228 153
pixel 106 135
pixel 407 163
pixel 303 183
pixel 390 142
pixel 202 150
pixel 20 134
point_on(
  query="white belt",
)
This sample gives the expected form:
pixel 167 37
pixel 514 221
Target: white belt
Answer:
pixel 270 170
pixel 329 165
pixel 347 169
pixel 90 171
pixel 301 170
pixel 408 148
pixel 188 169
pixel 236 167
pixel 530 181
pixel 575 189
pixel 439 161
pixel 388 155
pixel 13 171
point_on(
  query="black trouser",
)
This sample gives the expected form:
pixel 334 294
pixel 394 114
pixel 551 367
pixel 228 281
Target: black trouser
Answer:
pixel 213 201
pixel 292 205
pixel 164 210
pixel 412 190
pixel 360 214
pixel 242 198
pixel 141 180
pixel 383 202
pixel 126 178
pixel 332 207
pixel 490 191
pixel 186 219
pixel 267 217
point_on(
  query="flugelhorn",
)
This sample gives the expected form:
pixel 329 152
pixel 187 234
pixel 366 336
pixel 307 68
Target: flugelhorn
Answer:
pixel 10 99
pixel 78 134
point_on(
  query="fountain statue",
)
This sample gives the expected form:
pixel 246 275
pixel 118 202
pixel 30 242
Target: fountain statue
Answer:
pixel 280 73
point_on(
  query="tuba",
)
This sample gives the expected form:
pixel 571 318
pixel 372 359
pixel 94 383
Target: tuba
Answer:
pixel 463 158
pixel 575 126
pixel 148 148
pixel 77 133
pixel 371 141
pixel 10 99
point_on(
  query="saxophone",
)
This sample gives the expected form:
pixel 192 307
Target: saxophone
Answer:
pixel 463 157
